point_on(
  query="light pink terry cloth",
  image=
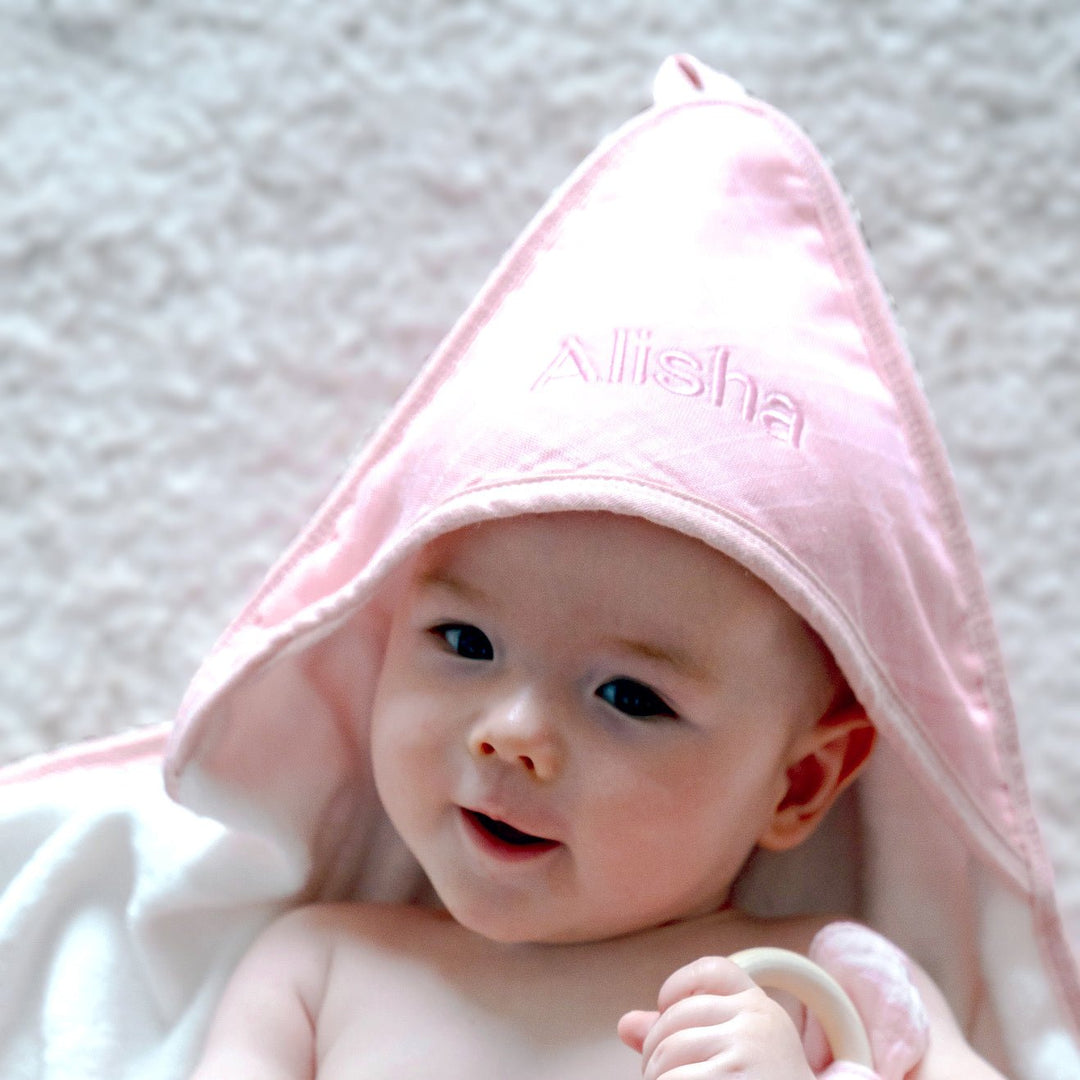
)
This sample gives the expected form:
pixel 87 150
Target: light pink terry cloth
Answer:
pixel 876 976
pixel 691 332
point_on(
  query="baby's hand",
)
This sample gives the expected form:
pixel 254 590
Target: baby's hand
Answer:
pixel 714 1022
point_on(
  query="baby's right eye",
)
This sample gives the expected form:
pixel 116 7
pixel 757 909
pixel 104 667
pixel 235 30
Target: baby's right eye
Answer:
pixel 467 641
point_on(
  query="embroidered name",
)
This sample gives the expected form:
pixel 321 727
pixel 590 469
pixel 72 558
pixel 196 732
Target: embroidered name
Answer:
pixel 706 374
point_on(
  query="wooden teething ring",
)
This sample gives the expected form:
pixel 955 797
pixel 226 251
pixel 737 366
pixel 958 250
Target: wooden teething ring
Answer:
pixel 780 969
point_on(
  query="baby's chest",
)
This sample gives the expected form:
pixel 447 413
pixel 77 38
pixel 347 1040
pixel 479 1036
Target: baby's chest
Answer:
pixel 419 1025
pixel 433 1052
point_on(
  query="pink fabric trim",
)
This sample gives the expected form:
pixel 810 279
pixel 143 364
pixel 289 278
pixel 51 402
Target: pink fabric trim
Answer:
pixel 116 751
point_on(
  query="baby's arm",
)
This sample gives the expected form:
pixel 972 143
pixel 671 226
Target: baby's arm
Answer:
pixel 264 1026
pixel 949 1056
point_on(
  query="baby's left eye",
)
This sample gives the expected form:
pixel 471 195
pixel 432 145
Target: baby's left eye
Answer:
pixel 635 699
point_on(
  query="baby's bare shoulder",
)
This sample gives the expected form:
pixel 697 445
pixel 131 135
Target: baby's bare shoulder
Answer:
pixel 355 943
pixel 333 925
pixel 328 920
pixel 265 1023
pixel 302 943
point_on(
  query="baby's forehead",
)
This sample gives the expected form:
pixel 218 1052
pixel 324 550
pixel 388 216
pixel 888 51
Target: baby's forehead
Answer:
pixel 569 540
pixel 609 554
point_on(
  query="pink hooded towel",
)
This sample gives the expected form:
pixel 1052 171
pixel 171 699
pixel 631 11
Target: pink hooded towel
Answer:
pixel 690 331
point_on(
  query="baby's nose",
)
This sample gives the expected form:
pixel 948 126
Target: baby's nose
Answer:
pixel 519 733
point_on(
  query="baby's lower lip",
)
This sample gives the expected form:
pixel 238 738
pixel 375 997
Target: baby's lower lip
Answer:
pixel 504 840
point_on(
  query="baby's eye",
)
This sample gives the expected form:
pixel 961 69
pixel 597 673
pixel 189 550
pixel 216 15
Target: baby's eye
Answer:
pixel 467 641
pixel 634 699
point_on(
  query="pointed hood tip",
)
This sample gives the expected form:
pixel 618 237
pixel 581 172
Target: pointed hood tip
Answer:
pixel 683 77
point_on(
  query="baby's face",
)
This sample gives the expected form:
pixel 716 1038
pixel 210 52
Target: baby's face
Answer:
pixel 584 723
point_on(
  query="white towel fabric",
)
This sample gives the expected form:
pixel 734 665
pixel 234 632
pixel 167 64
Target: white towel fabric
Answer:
pixel 121 916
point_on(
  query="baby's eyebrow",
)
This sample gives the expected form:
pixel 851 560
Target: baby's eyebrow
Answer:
pixel 440 578
pixel 674 657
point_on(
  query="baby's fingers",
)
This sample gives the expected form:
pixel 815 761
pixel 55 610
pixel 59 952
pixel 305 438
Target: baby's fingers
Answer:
pixel 634 1027
pixel 687 1053
pixel 708 975
pixel 667 1039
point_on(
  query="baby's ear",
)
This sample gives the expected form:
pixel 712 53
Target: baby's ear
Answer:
pixel 825 760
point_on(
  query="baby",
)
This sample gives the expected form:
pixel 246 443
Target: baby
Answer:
pixel 583 726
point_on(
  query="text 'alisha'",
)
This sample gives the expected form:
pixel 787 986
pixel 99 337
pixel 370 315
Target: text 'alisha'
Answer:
pixel 708 375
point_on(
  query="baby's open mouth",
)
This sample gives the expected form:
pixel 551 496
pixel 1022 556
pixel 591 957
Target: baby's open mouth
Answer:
pixel 505 833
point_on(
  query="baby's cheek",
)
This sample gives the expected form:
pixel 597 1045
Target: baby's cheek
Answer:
pixel 695 835
pixel 394 750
